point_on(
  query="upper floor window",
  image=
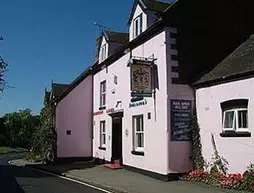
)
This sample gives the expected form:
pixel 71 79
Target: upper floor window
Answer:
pixel 103 52
pixel 235 115
pixel 103 94
pixel 137 26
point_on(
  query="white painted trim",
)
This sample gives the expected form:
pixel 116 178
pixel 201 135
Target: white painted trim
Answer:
pixel 174 52
pixel 174 74
pixel 174 63
pixel 173 30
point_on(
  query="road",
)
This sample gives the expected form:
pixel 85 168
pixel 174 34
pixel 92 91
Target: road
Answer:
pixel 14 179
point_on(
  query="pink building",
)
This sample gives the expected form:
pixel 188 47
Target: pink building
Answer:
pixel 143 96
pixel 225 108
pixel 134 105
pixel 74 119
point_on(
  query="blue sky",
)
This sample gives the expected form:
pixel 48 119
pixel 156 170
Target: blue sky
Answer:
pixel 50 39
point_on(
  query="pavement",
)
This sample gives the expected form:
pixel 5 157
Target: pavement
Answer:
pixel 21 179
pixel 123 180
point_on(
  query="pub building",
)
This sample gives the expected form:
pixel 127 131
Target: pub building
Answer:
pixel 142 82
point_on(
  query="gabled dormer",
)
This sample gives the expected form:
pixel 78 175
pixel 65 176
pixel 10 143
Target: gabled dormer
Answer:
pixel 144 14
pixel 110 41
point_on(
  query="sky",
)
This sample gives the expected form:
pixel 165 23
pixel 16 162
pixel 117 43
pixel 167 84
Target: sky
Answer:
pixel 48 40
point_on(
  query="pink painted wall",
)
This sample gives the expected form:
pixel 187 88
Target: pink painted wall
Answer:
pixel 179 151
pixel 74 112
pixel 238 151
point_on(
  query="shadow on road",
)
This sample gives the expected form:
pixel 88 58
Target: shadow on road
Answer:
pixel 63 167
pixel 8 175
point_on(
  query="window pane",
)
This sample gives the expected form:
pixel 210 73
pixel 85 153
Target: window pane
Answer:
pixel 136 27
pixel 242 119
pixel 142 140
pixel 141 124
pixel 102 133
pixel 103 85
pixel 104 139
pixel 103 93
pixel 138 124
pixel 103 99
pixel 103 127
pixel 140 24
pixel 228 120
pixel 138 136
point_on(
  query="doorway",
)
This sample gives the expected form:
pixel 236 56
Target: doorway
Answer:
pixel 117 138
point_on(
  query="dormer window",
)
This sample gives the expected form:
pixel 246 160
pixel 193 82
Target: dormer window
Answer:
pixel 137 26
pixel 103 52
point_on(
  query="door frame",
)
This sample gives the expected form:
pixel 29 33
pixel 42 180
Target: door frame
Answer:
pixel 120 116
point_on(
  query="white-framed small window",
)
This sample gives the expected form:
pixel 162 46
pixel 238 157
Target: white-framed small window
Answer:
pixel 103 94
pixel 103 52
pixel 137 25
pixel 103 134
pixel 235 119
pixel 138 133
pixel 235 115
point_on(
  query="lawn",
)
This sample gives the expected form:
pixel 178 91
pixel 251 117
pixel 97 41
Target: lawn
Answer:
pixel 5 150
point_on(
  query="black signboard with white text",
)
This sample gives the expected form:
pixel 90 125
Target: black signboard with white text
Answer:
pixel 181 114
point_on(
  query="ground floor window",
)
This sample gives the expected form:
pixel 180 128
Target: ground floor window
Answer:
pixel 138 133
pixel 235 115
pixel 102 134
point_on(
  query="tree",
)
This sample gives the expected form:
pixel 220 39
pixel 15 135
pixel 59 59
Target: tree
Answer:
pixel 44 139
pixel 19 127
pixel 3 66
pixel 196 146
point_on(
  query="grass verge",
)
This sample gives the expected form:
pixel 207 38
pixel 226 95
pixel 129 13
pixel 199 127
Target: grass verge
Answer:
pixel 6 150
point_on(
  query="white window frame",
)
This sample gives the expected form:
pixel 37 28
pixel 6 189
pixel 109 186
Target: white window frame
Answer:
pixel 235 126
pixel 135 132
pixel 139 21
pixel 103 134
pixel 103 93
pixel 103 52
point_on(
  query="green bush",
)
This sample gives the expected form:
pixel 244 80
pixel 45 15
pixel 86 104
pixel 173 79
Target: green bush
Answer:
pixel 44 139
pixel 30 156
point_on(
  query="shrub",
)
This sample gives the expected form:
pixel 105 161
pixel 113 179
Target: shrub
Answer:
pixel 248 181
pixel 30 156
pixel 231 181
pixel 197 176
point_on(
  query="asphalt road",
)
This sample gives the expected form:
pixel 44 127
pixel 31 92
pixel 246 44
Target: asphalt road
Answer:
pixel 14 179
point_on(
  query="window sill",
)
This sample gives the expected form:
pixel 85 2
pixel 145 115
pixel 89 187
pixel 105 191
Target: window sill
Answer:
pixel 102 108
pixel 235 134
pixel 102 148
pixel 141 153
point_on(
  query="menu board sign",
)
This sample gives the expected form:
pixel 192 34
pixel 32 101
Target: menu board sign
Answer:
pixel 181 115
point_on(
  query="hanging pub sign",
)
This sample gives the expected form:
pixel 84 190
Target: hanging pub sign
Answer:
pixel 141 76
pixel 181 115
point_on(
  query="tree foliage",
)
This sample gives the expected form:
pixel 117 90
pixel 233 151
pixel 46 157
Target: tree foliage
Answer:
pixel 44 139
pixel 18 128
pixel 196 146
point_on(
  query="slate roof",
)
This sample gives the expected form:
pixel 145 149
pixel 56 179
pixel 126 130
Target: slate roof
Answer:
pixel 156 6
pixel 118 37
pixel 238 63
pixel 59 89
